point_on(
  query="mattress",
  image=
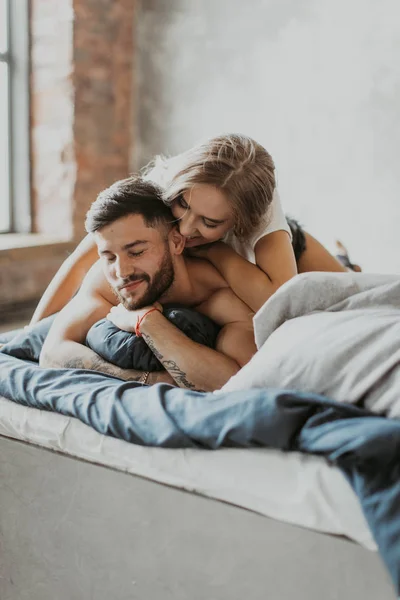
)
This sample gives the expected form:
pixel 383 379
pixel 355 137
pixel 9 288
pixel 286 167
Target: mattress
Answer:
pixel 292 487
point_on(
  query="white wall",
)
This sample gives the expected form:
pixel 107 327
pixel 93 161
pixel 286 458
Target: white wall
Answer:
pixel 316 81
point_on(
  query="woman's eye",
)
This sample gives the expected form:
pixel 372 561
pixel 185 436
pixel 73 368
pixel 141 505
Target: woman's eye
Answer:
pixel 182 203
pixel 210 225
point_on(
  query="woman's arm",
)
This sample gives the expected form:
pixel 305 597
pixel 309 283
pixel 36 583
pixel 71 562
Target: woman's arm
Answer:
pixel 254 284
pixel 67 280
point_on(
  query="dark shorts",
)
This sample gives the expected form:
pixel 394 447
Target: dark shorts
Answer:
pixel 299 239
pixel 299 244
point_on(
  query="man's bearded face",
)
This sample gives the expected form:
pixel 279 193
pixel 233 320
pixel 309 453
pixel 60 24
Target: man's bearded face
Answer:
pixel 140 289
pixel 137 260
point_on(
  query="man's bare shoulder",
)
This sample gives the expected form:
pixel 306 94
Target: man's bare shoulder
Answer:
pixel 95 284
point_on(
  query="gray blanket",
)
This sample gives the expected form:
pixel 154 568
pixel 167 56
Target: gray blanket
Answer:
pixel 333 334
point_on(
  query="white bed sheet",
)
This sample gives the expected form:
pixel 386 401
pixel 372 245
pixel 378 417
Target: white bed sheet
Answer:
pixel 299 489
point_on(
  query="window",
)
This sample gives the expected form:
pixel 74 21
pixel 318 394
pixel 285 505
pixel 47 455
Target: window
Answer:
pixel 14 117
pixel 5 204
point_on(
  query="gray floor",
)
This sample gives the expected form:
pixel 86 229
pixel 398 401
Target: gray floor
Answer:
pixel 70 530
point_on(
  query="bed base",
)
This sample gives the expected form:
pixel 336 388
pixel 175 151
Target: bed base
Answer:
pixel 74 530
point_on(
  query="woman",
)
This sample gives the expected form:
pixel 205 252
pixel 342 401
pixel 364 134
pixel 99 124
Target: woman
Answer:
pixel 223 189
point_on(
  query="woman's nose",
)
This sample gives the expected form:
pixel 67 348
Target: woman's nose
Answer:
pixel 187 225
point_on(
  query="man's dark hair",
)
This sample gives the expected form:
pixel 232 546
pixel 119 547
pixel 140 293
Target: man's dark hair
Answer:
pixel 131 196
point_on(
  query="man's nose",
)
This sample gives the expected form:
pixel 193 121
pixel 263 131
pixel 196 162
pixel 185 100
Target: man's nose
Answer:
pixel 123 269
pixel 187 225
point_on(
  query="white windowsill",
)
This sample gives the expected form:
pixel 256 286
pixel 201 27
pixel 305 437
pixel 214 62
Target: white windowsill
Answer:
pixel 11 241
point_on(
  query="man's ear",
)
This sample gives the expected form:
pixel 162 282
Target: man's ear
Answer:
pixel 176 241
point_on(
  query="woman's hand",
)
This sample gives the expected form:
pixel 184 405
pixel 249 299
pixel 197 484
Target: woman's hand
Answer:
pixel 128 319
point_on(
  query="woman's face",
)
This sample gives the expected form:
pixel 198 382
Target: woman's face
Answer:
pixel 204 215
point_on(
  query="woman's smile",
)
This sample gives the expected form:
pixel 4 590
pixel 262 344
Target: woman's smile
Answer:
pixel 194 240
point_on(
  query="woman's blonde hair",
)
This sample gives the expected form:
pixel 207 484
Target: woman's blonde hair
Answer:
pixel 235 164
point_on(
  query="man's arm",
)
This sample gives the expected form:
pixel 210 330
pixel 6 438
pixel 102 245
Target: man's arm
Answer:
pixel 64 346
pixel 192 365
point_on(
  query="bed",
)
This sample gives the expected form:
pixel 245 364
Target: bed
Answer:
pixel 85 515
pixel 89 516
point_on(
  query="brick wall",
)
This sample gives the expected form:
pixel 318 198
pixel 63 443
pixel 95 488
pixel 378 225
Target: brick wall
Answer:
pixel 82 55
pixel 82 69
pixel 103 70
pixel 52 117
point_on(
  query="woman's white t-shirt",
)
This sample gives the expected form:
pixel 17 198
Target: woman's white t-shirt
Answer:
pixel 275 221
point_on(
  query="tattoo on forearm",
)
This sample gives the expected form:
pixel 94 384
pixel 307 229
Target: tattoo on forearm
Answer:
pixel 96 363
pixel 152 347
pixel 174 370
pixel 180 376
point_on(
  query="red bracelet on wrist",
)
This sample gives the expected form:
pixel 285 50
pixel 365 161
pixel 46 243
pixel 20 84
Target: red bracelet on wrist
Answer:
pixel 140 319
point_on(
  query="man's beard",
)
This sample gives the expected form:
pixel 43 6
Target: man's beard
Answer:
pixel 156 287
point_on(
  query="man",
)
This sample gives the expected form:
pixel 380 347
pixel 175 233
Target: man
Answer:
pixel 141 265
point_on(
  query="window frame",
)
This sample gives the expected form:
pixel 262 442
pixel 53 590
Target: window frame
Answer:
pixel 5 60
pixel 16 57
